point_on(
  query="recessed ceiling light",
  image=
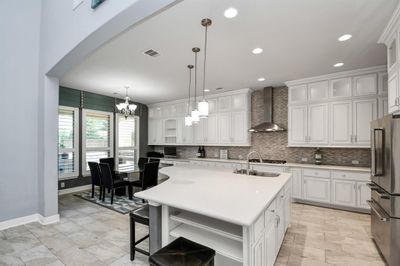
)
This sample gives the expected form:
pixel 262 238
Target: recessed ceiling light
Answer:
pixel 344 37
pixel 261 79
pixel 206 90
pixel 257 51
pixel 338 64
pixel 230 12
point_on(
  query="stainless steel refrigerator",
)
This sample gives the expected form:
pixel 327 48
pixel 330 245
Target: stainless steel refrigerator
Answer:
pixel 385 187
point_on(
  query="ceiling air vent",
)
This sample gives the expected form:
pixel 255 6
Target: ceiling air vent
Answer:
pixel 151 52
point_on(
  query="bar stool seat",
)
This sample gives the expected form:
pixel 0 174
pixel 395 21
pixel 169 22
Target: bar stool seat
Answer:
pixel 140 215
pixel 183 252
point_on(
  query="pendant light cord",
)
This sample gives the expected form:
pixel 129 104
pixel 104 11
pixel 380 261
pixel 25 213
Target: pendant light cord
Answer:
pixel 205 61
pixel 190 83
pixel 195 77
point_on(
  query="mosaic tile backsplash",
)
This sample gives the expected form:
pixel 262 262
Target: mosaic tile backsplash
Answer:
pixel 274 145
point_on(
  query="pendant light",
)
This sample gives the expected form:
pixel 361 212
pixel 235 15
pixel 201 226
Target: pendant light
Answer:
pixel 195 112
pixel 203 105
pixel 188 117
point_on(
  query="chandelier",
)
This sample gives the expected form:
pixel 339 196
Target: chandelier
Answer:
pixel 125 108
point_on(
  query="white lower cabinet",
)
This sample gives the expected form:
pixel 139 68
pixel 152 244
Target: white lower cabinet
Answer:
pixel 344 192
pixel 259 252
pixel 270 244
pixel 316 189
pixel 363 194
pixel 297 183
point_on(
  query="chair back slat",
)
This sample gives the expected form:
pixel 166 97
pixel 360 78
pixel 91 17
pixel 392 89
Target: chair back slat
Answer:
pixel 150 175
pixel 106 175
pixel 142 161
pixel 110 161
pixel 95 173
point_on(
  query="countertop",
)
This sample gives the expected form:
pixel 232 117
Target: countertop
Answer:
pixel 295 165
pixel 216 192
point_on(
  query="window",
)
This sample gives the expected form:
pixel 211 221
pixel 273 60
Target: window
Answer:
pixel 127 139
pixel 68 142
pixel 97 137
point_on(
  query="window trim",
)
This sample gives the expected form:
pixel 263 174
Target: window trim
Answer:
pixel 75 150
pixel 117 148
pixel 86 149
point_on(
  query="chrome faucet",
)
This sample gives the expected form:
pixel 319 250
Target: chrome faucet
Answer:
pixel 248 160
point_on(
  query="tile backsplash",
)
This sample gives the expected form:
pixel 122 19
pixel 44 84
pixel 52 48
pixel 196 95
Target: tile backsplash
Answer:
pixel 274 145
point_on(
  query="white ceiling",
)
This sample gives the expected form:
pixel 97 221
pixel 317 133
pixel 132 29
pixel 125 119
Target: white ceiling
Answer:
pixel 299 38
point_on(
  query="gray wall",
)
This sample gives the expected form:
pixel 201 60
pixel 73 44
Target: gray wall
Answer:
pixel 19 69
pixel 274 145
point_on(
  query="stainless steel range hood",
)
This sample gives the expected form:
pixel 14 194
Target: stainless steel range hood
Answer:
pixel 267 125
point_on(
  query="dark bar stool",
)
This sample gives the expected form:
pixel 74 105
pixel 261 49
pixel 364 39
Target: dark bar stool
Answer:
pixel 183 252
pixel 140 215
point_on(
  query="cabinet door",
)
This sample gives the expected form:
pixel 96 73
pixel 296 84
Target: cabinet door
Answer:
pixel 365 85
pixel 212 106
pixel 341 123
pixel 225 128
pixel 318 91
pixel 297 183
pixel 297 125
pixel 240 134
pixel 159 131
pixel 199 132
pixel 211 133
pixel 344 192
pixel 340 88
pixel 184 133
pixel 383 83
pixel 224 103
pixel 270 244
pixel 239 101
pixel 363 194
pixel 280 229
pixel 287 211
pixel 318 124
pixel 393 93
pixel 298 94
pixel 364 111
pixel 259 252
pixel 316 189
pixel 152 132
pixel 383 107
pixel 155 112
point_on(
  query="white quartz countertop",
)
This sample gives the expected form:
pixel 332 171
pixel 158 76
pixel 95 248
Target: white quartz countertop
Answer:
pixel 216 192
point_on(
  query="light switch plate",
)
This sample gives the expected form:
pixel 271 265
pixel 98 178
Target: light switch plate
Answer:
pixel 304 159
pixel 76 3
pixel 355 162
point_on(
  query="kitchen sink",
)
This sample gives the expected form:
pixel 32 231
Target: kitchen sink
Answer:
pixel 255 173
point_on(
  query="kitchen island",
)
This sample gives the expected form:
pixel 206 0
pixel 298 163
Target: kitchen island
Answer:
pixel 243 218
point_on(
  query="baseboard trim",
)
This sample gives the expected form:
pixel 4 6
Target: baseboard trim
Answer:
pixel 74 189
pixel 29 219
pixel 331 206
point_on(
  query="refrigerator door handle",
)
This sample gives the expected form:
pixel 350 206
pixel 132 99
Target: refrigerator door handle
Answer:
pixel 377 152
pixel 383 217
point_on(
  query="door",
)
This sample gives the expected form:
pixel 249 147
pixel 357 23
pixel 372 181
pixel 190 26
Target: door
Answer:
pixel 297 183
pixel 365 85
pixel 316 189
pixel 239 128
pixel 393 93
pixel 297 125
pixel 363 194
pixel 225 128
pixel 318 124
pixel 211 133
pixel 270 244
pixel 344 192
pixel 259 252
pixel 341 132
pixel 364 111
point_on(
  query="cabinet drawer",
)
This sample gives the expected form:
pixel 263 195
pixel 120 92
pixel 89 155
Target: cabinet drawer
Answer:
pixel 350 175
pixel 258 227
pixel 317 173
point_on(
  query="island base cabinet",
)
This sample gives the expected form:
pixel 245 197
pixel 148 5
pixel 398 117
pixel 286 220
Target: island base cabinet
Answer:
pixel 259 252
pixel 270 245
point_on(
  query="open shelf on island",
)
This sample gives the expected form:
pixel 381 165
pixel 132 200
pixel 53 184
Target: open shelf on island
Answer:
pixel 212 225
pixel 222 245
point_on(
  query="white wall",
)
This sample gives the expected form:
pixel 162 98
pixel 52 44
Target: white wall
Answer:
pixel 19 66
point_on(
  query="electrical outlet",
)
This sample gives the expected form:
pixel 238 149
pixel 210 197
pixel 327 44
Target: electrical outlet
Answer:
pixel 304 160
pixel 62 185
pixel 355 162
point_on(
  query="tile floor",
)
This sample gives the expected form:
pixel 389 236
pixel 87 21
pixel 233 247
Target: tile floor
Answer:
pixel 91 235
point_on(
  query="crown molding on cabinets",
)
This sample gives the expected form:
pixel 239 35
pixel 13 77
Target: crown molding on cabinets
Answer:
pixel 391 27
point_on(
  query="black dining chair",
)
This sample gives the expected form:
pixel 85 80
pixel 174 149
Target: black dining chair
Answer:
pixel 142 161
pixel 111 163
pixel 150 176
pixel 96 177
pixel 108 181
pixel 154 160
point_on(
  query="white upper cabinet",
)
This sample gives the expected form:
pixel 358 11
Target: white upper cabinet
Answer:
pixel 365 85
pixel 211 133
pixel 225 126
pixel 212 106
pixel 383 83
pixel 155 134
pixel 298 94
pixel 392 53
pixel 393 93
pixel 340 88
pixel 318 124
pixel 318 91
pixel 364 111
pixel 298 125
pixel 341 132
pixel 155 112
pixel 200 131
pixel 239 102
pixel 224 104
pixel 240 127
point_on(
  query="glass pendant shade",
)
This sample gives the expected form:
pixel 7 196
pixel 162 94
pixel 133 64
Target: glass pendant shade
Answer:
pixel 203 109
pixel 132 107
pixel 119 107
pixel 188 120
pixel 195 116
